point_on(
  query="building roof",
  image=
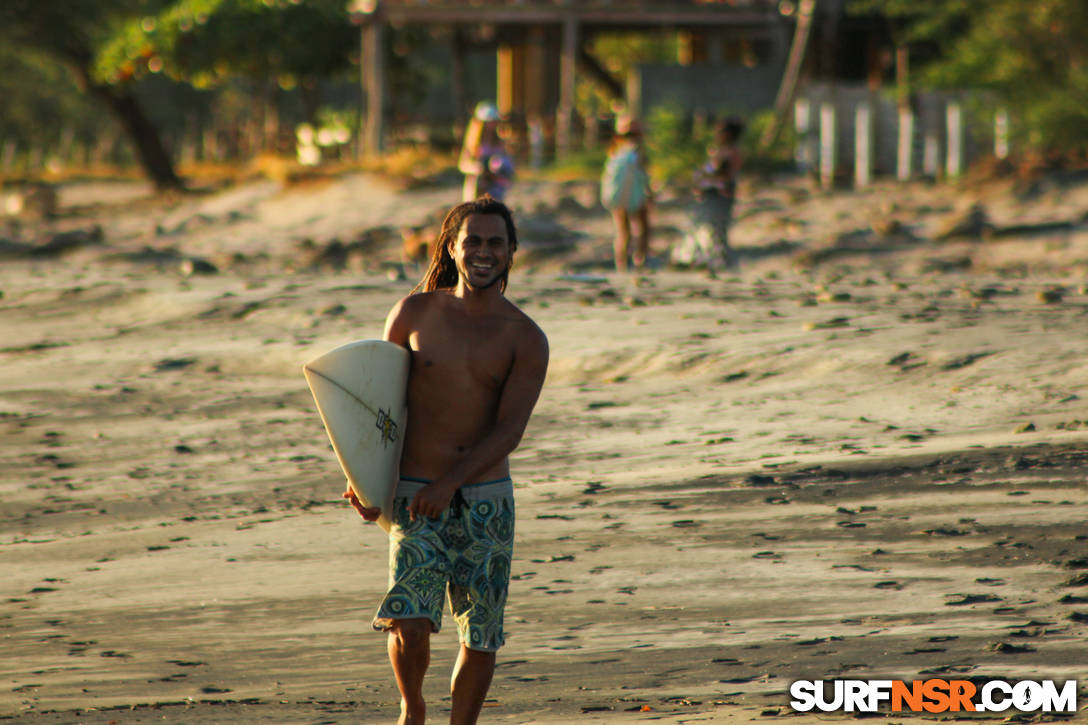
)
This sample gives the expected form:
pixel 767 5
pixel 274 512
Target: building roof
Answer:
pixel 591 12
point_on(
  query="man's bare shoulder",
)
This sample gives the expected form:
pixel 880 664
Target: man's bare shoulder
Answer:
pixel 407 314
pixel 527 334
pixel 417 303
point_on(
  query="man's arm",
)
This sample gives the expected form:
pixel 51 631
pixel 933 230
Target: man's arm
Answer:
pixel 519 395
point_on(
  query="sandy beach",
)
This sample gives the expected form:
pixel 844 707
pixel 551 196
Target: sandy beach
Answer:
pixel 860 455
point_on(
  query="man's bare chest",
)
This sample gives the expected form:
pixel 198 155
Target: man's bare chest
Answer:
pixel 455 357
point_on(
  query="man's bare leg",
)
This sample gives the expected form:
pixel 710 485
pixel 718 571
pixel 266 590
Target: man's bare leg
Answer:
pixel 471 678
pixel 410 653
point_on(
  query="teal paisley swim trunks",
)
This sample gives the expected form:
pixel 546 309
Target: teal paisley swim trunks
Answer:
pixel 463 556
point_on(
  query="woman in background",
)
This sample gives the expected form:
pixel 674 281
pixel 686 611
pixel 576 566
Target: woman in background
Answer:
pixel 625 191
pixel 487 167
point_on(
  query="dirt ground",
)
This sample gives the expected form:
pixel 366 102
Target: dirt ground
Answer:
pixel 860 455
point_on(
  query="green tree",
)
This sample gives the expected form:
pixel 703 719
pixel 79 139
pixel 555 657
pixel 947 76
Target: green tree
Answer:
pixel 71 32
pixel 618 54
pixel 113 45
pixel 1031 55
pixel 43 108
pixel 271 43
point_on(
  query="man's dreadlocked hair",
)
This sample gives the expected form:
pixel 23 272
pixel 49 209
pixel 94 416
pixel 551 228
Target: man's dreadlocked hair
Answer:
pixel 442 272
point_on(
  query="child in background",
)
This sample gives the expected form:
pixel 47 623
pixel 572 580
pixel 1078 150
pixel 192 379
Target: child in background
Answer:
pixel 706 242
pixel 487 167
pixel 625 191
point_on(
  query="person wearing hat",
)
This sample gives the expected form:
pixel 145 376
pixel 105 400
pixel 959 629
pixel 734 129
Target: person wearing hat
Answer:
pixel 625 191
pixel 487 167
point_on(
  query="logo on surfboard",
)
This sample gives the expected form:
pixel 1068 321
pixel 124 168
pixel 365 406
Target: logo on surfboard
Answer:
pixel 387 426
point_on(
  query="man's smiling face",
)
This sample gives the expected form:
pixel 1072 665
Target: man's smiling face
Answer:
pixel 481 251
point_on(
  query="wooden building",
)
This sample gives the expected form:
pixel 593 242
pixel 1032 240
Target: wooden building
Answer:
pixel 541 45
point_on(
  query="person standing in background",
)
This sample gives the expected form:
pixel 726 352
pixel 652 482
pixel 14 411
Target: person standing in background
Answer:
pixel 484 161
pixel 625 191
pixel 706 242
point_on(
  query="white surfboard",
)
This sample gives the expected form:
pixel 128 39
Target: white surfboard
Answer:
pixel 361 393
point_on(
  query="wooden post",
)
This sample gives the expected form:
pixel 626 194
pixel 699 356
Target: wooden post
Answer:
pixel 863 145
pixel 827 145
pixel 904 161
pixel 374 86
pixel 902 76
pixel 537 72
pixel 568 56
pixel 1001 133
pixel 510 78
pixel 954 154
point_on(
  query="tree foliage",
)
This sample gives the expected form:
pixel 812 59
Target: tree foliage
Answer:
pixel 42 103
pixel 1031 55
pixel 117 47
pixel 72 33
pixel 620 53
pixel 206 42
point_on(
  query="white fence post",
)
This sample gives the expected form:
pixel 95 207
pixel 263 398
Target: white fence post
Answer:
pixel 802 125
pixel 1001 133
pixel 904 161
pixel 827 145
pixel 863 145
pixel 954 157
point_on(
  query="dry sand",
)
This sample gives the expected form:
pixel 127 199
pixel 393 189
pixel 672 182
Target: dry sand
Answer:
pixel 861 455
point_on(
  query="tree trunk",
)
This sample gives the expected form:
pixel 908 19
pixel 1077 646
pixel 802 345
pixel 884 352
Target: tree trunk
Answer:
pixel 145 138
pixel 788 89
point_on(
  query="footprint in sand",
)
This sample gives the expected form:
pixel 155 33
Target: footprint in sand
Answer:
pixel 949 670
pixel 890 584
pixel 1005 648
pixel 1070 599
pixel 966 599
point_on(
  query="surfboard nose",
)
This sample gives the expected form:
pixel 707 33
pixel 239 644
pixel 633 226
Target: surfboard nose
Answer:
pixel 360 390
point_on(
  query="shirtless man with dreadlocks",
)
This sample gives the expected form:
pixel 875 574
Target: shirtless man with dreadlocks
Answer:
pixel 478 365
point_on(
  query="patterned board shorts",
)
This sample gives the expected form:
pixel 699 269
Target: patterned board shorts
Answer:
pixel 464 555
